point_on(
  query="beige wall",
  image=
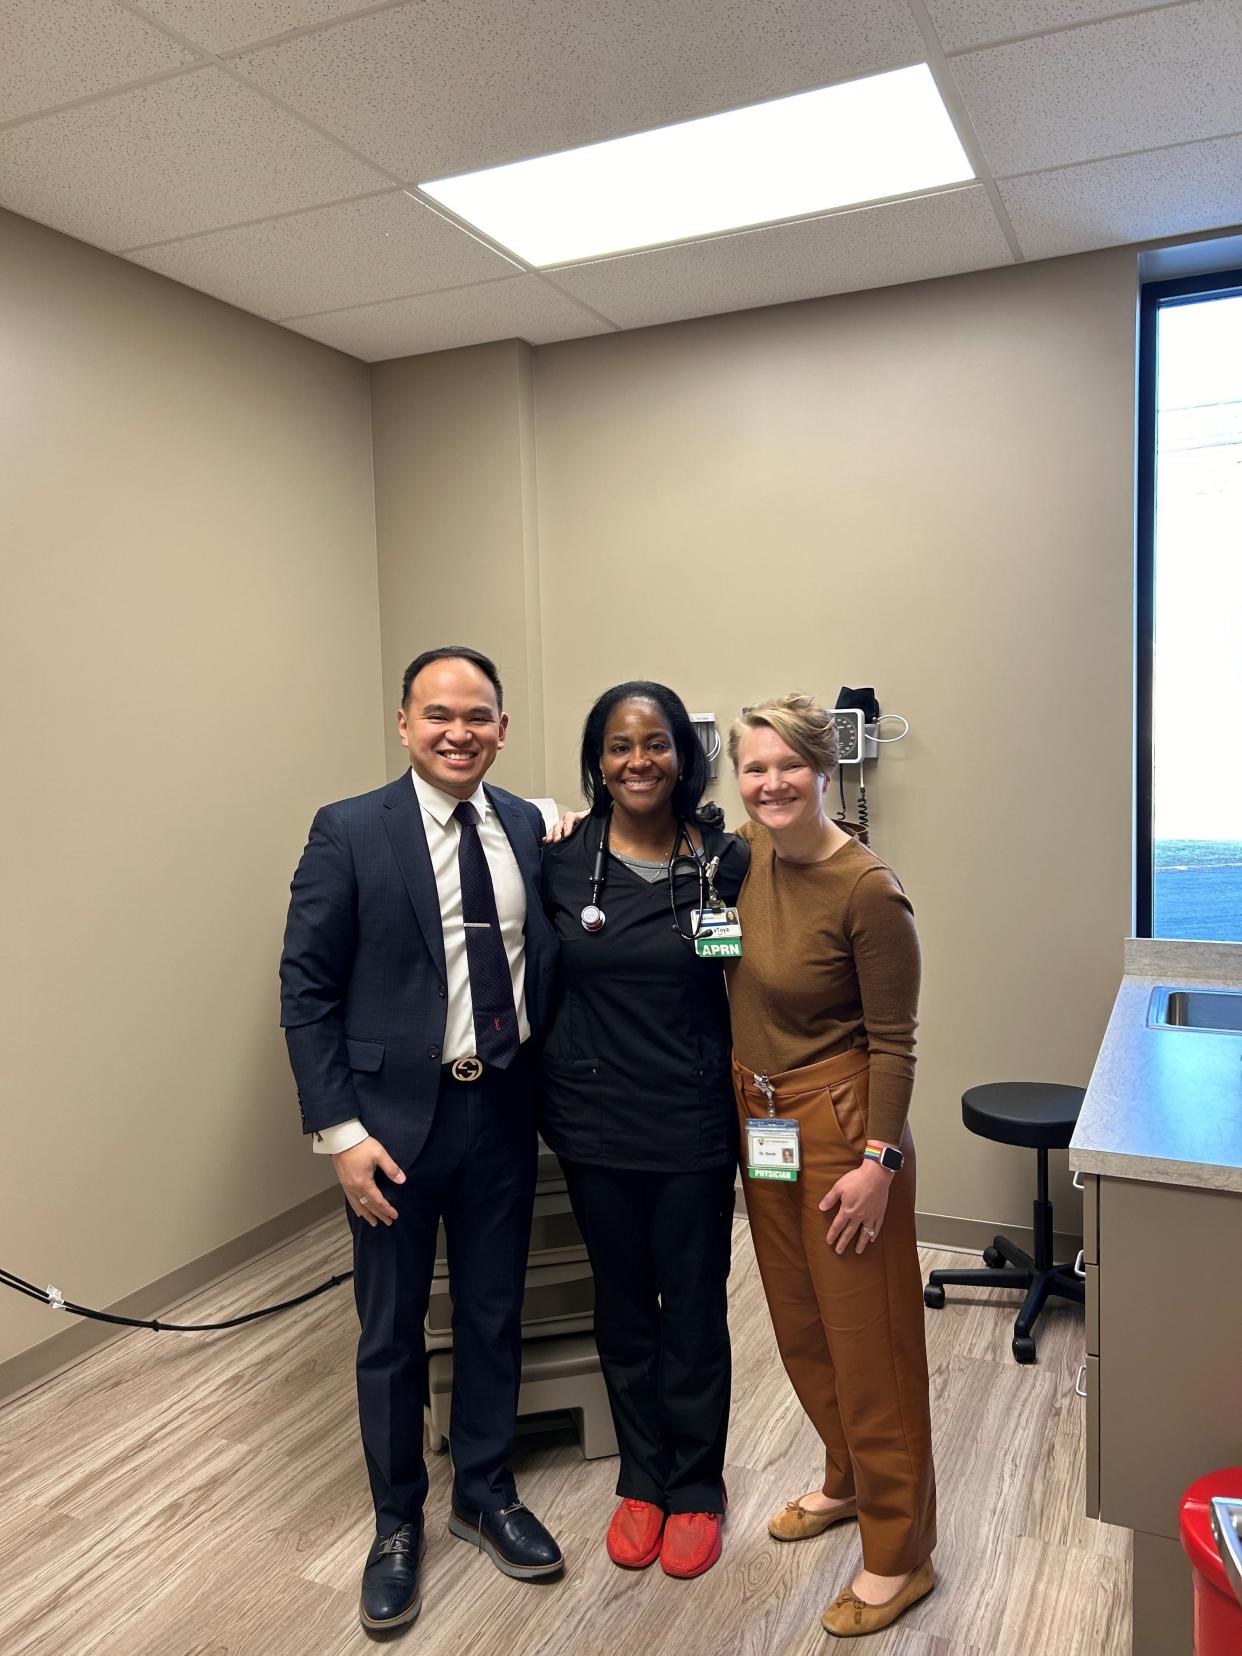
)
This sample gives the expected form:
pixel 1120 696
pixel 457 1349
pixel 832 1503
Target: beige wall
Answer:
pixel 927 489
pixel 189 665
pixel 455 525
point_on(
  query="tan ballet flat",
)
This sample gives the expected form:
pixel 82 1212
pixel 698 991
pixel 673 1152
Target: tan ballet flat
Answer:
pixel 796 1523
pixel 848 1616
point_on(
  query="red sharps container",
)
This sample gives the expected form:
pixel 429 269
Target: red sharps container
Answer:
pixel 1211 1517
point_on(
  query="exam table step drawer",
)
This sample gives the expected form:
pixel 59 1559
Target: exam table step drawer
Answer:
pixel 559 1299
pixel 548 1173
pixel 559 1375
pixel 554 1235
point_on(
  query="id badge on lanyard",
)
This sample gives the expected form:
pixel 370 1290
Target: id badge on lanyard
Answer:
pixel 717 933
pixel 772 1145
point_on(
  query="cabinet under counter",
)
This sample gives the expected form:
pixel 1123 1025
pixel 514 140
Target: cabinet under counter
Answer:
pixel 1158 1153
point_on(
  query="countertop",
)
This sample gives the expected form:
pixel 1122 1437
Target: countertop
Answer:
pixel 1165 1105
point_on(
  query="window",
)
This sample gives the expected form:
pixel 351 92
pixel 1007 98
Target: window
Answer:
pixel 1189 610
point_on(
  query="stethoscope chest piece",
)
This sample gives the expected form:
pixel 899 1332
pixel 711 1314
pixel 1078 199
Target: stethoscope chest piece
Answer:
pixel 591 917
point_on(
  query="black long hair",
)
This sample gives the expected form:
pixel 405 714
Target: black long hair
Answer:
pixel 690 786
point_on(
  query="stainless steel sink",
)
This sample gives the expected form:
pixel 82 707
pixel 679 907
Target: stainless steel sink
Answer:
pixel 1216 1010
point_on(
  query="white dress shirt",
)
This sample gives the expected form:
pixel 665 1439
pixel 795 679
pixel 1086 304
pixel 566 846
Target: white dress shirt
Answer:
pixel 443 833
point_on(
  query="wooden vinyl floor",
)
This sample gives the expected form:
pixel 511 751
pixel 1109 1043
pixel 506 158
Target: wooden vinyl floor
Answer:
pixel 204 1495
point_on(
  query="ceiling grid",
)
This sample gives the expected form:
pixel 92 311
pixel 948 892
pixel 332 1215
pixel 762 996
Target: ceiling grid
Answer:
pixel 269 152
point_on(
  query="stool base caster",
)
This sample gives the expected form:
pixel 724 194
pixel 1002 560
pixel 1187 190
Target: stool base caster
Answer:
pixel 933 1297
pixel 1023 1348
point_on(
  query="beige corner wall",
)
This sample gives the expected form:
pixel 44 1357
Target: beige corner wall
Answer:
pixel 189 665
pixel 455 525
pixel 927 489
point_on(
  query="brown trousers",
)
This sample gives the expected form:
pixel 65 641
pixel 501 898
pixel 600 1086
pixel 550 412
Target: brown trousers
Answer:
pixel 849 1327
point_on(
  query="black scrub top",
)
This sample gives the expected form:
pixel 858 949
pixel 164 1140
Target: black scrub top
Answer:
pixel 636 1059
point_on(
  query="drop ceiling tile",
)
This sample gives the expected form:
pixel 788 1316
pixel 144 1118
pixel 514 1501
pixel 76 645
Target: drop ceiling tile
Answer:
pixel 522 307
pixel 962 23
pixel 1135 198
pixel 904 241
pixel 183 155
pixel 443 86
pixel 224 25
pixel 1163 77
pixel 59 50
pixel 331 256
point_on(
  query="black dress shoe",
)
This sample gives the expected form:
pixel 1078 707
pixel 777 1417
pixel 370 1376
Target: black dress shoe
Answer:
pixel 513 1538
pixel 390 1596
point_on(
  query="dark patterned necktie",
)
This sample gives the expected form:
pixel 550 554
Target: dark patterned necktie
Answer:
pixel 491 984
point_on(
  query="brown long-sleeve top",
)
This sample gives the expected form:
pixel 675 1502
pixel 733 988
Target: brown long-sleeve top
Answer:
pixel 830 961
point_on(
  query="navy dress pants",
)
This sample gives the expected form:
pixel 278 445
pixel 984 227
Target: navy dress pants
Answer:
pixel 477 1172
pixel 660 1247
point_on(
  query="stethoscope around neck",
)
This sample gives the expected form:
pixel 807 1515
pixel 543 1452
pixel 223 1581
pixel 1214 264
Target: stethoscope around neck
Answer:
pixel 593 917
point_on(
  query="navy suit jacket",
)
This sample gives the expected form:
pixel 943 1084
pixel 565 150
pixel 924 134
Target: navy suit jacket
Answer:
pixel 363 985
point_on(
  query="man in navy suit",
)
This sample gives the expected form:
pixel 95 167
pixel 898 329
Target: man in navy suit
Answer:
pixel 417 962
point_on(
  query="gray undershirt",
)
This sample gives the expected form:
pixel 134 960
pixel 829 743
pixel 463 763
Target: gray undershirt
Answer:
pixel 649 871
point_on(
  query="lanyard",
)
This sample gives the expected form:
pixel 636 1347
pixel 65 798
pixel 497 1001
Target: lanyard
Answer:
pixel 695 858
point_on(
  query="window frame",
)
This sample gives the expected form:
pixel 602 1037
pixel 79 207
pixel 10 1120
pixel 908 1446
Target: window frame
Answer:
pixel 1153 298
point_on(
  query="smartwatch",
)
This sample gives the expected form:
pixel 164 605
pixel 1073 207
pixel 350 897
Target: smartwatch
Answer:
pixel 886 1155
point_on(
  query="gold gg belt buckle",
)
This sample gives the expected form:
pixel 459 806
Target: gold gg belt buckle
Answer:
pixel 466 1069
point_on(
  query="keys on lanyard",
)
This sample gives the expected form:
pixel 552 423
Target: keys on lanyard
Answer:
pixel 772 1144
pixel 716 930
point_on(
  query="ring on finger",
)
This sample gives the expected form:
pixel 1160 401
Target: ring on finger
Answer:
pixel 362 1201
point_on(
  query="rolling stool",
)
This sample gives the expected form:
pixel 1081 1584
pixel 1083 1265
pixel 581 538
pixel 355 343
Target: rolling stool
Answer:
pixel 1039 1115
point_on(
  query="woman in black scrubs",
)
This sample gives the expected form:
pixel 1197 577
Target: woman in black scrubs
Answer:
pixel 637 1102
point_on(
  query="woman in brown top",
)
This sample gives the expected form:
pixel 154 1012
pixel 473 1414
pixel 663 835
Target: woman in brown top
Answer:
pixel 823 1004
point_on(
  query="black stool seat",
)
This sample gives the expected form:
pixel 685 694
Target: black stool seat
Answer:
pixel 1040 1116
pixel 1037 1114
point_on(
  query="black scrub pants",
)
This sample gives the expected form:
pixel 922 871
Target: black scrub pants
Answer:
pixel 660 1246
pixel 477 1171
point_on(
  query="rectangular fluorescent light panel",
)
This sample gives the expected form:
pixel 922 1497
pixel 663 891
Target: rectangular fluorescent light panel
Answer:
pixel 864 140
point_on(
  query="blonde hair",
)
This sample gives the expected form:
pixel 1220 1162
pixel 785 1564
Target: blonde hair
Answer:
pixel 801 722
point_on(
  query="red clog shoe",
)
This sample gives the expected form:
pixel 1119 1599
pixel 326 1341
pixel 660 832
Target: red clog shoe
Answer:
pixel 634 1534
pixel 691 1543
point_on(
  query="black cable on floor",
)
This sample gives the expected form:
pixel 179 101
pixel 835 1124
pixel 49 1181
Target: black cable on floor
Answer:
pixel 54 1298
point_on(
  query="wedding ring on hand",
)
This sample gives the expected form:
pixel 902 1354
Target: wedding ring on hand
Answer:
pixel 870 1234
pixel 362 1201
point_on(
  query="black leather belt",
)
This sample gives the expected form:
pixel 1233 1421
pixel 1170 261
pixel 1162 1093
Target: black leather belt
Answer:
pixel 464 1070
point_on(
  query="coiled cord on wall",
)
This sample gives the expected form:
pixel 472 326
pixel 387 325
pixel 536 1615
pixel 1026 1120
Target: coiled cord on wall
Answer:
pixel 53 1297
